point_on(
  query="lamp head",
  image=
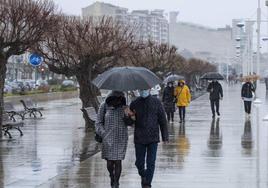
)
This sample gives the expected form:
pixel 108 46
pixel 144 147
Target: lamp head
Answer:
pixel 240 25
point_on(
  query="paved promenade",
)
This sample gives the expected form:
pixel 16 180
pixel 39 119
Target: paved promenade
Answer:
pixel 229 152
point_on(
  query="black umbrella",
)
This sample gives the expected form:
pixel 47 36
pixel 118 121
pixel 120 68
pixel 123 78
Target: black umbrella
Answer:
pixel 173 78
pixel 212 76
pixel 126 79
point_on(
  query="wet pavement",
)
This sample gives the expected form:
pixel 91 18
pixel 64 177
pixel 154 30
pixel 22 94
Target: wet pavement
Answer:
pixel 228 152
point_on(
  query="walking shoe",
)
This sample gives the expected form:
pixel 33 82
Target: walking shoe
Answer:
pixel 112 181
pixel 218 113
pixel 143 181
pixel 180 121
pixel 213 116
pixel 116 185
pixel 146 186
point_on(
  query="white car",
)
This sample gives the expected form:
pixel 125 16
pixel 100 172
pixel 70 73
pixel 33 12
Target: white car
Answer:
pixel 7 89
pixel 69 83
pixel 156 90
pixel 41 83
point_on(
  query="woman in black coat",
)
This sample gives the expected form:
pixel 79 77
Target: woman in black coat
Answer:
pixel 247 95
pixel 168 100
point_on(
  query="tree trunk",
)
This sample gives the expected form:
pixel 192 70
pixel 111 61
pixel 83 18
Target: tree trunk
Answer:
pixel 88 94
pixel 3 63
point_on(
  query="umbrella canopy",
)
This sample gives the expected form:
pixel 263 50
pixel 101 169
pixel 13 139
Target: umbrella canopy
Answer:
pixel 126 79
pixel 250 77
pixel 173 78
pixel 212 76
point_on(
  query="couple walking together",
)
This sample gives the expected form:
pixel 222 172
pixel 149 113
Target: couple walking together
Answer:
pixel 179 96
pixel 148 116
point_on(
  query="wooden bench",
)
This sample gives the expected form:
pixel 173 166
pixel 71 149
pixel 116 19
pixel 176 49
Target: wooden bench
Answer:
pixel 31 109
pixel 8 124
pixel 90 115
pixel 12 111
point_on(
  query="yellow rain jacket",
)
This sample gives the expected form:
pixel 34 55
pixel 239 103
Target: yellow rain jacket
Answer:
pixel 183 95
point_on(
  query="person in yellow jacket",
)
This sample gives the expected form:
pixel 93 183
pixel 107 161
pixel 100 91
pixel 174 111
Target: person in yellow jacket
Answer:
pixel 183 98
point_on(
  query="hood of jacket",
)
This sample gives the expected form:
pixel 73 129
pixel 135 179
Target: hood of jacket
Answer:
pixel 115 94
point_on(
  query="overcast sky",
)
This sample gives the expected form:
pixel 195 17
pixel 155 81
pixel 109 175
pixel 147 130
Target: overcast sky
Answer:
pixel 213 13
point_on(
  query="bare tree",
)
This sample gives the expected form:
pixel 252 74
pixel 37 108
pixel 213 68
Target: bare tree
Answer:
pixel 194 68
pixel 86 48
pixel 162 59
pixel 23 23
pixel 159 58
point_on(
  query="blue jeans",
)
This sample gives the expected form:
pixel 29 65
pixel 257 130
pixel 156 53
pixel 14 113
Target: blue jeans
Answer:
pixel 146 152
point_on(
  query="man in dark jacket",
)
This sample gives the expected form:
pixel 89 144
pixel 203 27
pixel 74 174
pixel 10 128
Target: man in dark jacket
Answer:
pixel 216 93
pixel 150 118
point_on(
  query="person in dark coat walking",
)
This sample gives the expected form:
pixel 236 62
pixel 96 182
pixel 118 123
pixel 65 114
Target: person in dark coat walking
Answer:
pixel 216 94
pixel 169 101
pixel 247 95
pixel 110 125
pixel 150 118
pixel 266 82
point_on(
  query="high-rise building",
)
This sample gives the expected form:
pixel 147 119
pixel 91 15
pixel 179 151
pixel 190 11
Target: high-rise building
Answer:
pixel 100 9
pixel 149 25
pixel 152 25
pixel 210 44
pixel 173 17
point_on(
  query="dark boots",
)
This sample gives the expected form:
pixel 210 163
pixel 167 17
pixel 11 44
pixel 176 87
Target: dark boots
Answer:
pixel 114 183
pixel 112 178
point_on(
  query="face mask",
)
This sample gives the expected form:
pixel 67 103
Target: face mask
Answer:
pixel 144 93
pixel 170 85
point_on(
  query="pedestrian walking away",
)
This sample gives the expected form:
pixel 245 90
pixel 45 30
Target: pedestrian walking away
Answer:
pixel 150 120
pixel 169 101
pixel 110 125
pixel 216 94
pixel 247 94
pixel 183 97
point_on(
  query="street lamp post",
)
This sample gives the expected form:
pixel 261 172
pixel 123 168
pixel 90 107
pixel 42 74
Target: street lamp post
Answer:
pixel 257 100
pixel 248 49
pixel 258 36
pixel 239 39
pixel 266 39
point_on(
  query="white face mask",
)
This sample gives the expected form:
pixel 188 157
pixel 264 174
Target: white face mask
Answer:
pixel 170 85
pixel 144 93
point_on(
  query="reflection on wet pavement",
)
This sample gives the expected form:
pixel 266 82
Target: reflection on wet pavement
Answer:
pixel 215 138
pixel 227 152
pixel 246 139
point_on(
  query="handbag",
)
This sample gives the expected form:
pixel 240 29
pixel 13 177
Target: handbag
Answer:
pixel 98 138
